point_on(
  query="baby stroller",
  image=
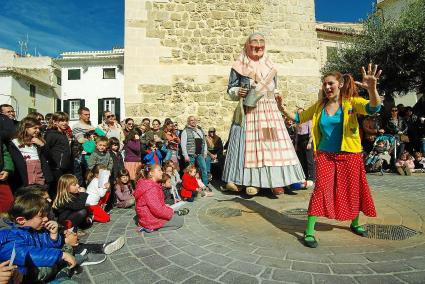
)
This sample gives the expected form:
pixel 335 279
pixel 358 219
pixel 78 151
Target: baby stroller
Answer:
pixel 381 155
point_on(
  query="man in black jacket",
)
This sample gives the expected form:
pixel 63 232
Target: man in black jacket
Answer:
pixel 8 124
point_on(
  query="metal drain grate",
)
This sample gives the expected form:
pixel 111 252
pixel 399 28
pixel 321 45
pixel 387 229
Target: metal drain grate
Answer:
pixel 389 232
pixel 224 212
pixel 297 213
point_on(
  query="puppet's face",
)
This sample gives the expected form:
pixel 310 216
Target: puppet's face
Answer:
pixel 256 47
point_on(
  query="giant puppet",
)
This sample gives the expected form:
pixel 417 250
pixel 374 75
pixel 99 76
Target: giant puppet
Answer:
pixel 260 153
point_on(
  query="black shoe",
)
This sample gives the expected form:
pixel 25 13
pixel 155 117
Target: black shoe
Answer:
pixel 246 196
pixel 356 230
pixel 290 192
pixel 310 244
pixel 93 259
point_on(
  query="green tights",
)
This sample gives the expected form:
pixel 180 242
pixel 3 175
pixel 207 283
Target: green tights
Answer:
pixel 311 221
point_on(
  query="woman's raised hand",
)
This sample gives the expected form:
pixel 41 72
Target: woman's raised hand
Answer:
pixel 370 77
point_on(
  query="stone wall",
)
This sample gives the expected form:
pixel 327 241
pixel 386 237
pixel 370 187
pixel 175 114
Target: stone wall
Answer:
pixel 178 54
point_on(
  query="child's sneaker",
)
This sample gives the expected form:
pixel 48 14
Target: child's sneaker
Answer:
pixel 113 246
pixel 93 259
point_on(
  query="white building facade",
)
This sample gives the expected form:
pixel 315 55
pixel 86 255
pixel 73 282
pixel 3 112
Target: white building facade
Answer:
pixel 29 84
pixel 94 79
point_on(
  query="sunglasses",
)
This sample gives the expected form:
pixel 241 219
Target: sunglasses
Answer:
pixel 111 115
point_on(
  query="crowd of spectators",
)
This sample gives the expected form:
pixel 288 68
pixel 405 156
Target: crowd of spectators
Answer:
pixel 53 185
pixel 396 140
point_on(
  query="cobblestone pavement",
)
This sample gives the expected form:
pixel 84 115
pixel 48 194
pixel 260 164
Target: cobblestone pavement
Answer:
pixel 227 239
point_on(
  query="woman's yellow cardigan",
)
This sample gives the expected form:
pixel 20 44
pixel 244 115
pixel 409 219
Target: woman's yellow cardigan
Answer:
pixel 350 134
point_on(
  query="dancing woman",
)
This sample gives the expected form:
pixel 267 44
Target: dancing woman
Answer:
pixel 341 190
pixel 260 153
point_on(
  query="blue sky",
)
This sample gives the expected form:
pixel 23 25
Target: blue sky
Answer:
pixel 54 26
pixel 343 10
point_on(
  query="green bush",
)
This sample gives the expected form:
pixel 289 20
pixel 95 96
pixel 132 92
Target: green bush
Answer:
pixel 397 46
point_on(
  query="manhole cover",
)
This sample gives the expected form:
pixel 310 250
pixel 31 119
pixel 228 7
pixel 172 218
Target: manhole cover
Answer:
pixel 389 232
pixel 224 212
pixel 297 213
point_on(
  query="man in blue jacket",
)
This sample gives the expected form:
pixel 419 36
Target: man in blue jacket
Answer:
pixel 34 239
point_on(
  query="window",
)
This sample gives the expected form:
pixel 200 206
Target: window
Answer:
pixel 32 91
pixel 109 104
pixel 108 73
pixel 331 53
pixel 74 105
pixel 74 74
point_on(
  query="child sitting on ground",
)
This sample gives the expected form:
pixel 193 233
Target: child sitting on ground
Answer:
pixel 190 185
pixel 176 181
pixel 202 188
pixel 405 164
pixel 166 187
pixel 376 158
pixel 97 195
pixel 101 155
pixel 70 201
pixel 35 240
pixel 419 163
pixel 152 212
pixel 124 190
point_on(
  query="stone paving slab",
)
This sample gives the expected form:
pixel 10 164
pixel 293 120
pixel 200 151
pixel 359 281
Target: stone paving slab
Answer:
pixel 263 244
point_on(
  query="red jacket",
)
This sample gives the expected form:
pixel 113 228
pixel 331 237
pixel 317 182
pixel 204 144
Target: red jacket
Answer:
pixel 151 211
pixel 189 184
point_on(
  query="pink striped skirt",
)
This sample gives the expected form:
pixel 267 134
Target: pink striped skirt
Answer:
pixel 267 142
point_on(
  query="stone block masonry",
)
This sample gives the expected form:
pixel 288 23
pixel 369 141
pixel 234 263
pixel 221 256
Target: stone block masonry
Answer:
pixel 178 54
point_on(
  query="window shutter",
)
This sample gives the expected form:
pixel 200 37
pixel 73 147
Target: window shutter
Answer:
pixel 82 103
pixel 100 108
pixel 58 105
pixel 118 109
pixel 66 106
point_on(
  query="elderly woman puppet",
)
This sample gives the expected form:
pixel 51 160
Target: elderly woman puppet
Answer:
pixel 260 153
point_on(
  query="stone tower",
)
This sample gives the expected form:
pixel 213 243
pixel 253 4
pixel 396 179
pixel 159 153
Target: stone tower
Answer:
pixel 178 54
